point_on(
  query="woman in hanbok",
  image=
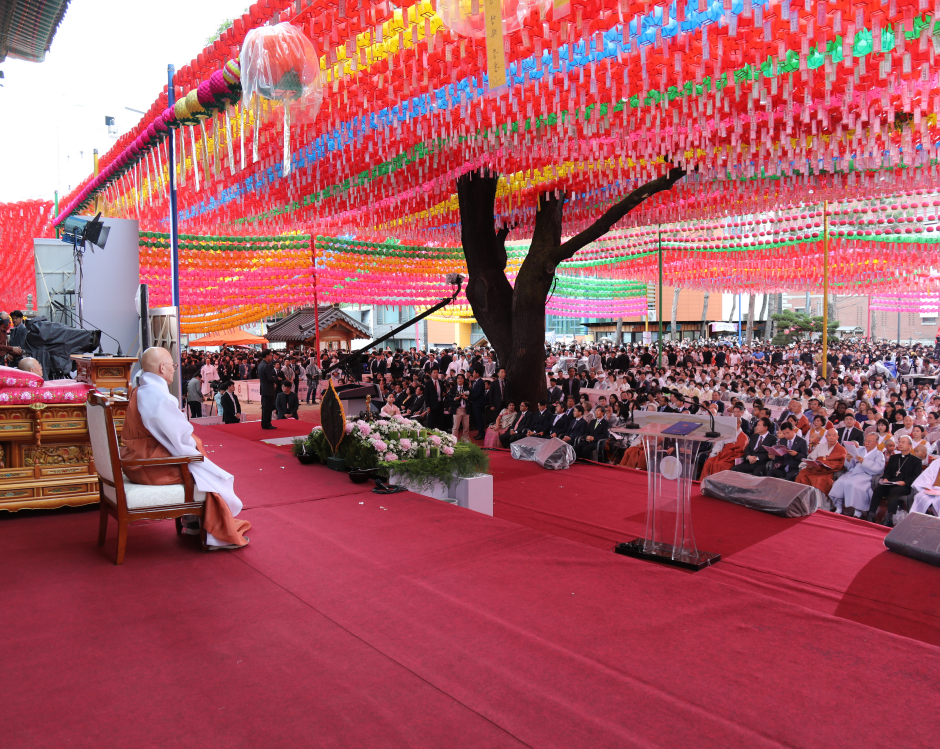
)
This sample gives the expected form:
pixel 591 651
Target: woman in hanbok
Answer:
pixel 505 420
pixel 816 432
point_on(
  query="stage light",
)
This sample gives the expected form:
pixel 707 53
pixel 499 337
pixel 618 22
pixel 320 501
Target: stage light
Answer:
pixel 76 229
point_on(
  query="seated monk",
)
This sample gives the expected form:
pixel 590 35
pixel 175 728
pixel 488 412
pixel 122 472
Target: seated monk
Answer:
pixel 155 427
pixel 724 459
pixel 832 456
pixel 635 456
pixel 29 364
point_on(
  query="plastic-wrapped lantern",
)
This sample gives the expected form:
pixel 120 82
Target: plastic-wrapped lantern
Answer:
pixel 465 17
pixel 280 63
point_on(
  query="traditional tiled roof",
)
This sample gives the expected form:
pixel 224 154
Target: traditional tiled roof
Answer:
pixel 299 326
pixel 27 27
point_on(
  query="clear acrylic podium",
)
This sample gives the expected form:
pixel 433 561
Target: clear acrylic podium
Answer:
pixel 670 467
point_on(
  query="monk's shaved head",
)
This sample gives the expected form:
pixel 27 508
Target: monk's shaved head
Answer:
pixel 158 361
pixel 28 364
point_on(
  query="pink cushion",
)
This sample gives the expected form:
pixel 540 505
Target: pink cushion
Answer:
pixel 54 391
pixel 12 377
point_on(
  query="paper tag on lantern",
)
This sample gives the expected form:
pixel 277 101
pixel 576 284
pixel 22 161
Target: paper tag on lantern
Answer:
pixel 495 51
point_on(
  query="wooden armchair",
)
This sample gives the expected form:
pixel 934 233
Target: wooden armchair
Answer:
pixel 126 501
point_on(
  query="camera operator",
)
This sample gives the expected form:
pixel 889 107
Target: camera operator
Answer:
pixel 194 396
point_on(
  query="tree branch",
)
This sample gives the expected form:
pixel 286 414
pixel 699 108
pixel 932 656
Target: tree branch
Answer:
pixel 606 222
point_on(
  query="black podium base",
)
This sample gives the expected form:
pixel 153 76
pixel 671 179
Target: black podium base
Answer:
pixel 664 554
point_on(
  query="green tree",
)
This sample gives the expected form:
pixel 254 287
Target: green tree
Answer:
pixel 793 326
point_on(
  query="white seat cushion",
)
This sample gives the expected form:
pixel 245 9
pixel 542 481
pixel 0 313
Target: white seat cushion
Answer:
pixel 146 495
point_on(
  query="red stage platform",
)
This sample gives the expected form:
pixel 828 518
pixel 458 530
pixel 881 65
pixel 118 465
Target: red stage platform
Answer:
pixel 355 619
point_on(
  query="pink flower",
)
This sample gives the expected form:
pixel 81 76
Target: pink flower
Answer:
pixel 405 444
pixel 349 427
pixel 364 428
pixel 391 456
pixel 447 450
pixel 435 440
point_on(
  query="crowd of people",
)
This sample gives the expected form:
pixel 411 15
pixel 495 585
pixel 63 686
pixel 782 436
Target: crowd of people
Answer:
pixel 867 433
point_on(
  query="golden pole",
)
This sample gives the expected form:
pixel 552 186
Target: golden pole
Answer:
pixel 825 330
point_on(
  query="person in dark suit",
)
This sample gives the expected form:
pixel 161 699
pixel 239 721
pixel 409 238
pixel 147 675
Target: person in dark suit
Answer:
pixel 433 397
pixel 231 408
pixel 572 386
pixel 598 430
pixel 900 471
pixel 755 456
pixel 520 429
pixel 788 465
pixel 561 421
pixel 578 427
pixel 419 406
pixel 498 397
pixel 286 404
pixel 268 386
pixel 478 403
pixel 848 432
pixel 555 393
pixel 542 421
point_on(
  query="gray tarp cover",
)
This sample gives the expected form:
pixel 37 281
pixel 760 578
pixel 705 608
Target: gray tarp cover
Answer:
pixel 51 343
pixel 917 536
pixel 776 496
pixel 554 454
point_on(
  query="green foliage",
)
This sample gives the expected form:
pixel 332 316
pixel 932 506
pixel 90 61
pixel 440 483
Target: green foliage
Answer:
pixel 792 326
pixel 468 459
pixel 355 453
pixel 221 30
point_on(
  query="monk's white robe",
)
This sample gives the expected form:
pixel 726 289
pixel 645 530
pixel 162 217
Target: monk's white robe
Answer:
pixel 854 487
pixel 926 480
pixel 162 417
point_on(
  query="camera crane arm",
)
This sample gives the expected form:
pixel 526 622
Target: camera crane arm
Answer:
pixel 350 359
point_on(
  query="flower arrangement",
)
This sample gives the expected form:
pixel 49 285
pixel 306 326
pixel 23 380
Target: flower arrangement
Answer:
pixel 401 445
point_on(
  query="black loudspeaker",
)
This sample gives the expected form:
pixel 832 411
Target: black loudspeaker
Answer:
pixel 776 496
pixel 917 536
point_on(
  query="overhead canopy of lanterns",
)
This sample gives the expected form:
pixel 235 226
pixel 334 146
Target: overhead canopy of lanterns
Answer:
pixel 353 120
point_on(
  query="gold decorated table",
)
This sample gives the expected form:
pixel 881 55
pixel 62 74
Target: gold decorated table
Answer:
pixel 45 452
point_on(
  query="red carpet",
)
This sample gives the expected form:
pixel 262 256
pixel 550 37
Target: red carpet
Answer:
pixel 401 621
pixel 826 562
pixel 269 475
pixel 251 430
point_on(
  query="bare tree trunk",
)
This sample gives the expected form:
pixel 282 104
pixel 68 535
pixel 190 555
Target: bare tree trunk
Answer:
pixel 618 336
pixel 734 307
pixel 513 317
pixel 751 304
pixel 675 308
pixel 705 316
